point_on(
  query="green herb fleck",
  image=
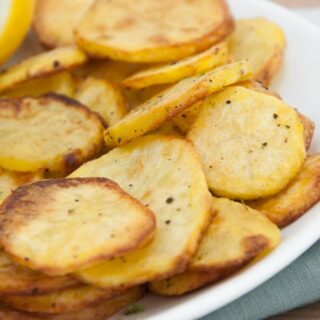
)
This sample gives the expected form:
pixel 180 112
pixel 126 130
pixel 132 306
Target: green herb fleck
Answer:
pixel 133 309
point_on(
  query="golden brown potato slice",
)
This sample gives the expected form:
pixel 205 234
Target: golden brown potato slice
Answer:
pixel 60 302
pixel 61 83
pixel 161 108
pixel 49 225
pixel 10 180
pixel 41 65
pixel 165 174
pixel 18 280
pixel 151 31
pixel 51 132
pixel 54 24
pixel 235 237
pixel 297 198
pixel 251 143
pixel 260 41
pixel 177 70
pixel 102 97
pixel 100 311
pixel 308 129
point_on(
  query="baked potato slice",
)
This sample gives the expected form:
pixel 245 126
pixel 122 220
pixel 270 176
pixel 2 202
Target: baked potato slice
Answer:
pixel 152 31
pixel 235 237
pixel 165 174
pixel 263 132
pixel 18 280
pixel 10 180
pixel 60 83
pixel 161 108
pixel 99 311
pixel 262 42
pixel 41 65
pixel 308 129
pixel 67 300
pixel 298 197
pixel 54 25
pixel 173 72
pixel 51 132
pixel 49 225
pixel 102 97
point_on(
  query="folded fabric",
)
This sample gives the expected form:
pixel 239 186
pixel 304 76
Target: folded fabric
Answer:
pixel 295 286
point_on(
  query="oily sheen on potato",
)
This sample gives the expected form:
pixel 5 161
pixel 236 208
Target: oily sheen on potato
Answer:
pixel 51 132
pixel 298 197
pixel 235 237
pixel 99 311
pixel 152 31
pixel 54 24
pixel 66 300
pixel 165 174
pixel 41 65
pixel 18 280
pixel 177 70
pixel 250 143
pixel 260 41
pixel 167 104
pixel 49 225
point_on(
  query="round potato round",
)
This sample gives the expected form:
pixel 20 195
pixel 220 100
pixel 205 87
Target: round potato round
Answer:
pixel 41 65
pixel 150 31
pixel 54 25
pixel 19 280
pixel 165 174
pixel 62 225
pixel 250 143
pixel 235 237
pixel 260 41
pixel 100 311
pixel 50 132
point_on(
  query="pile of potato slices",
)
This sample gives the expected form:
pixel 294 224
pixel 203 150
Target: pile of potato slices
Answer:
pixel 142 151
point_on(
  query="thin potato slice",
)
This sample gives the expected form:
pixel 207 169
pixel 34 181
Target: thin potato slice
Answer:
pixel 260 41
pixel 50 132
pixel 235 237
pixel 163 107
pixel 54 24
pixel 165 174
pixel 18 280
pixel 100 96
pixel 41 65
pixel 61 83
pixel 175 71
pixel 297 198
pixel 152 31
pixel 49 225
pixel 251 143
pixel 308 129
pixel 10 180
pixel 67 300
pixel 100 311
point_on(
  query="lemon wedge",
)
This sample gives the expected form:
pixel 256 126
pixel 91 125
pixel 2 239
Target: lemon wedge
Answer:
pixel 15 20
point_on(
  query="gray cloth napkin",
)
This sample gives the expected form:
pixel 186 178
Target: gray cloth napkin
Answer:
pixel 295 286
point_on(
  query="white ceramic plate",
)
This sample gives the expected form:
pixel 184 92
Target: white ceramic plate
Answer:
pixel 298 83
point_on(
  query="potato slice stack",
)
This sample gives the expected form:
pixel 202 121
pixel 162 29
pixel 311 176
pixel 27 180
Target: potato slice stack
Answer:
pixel 168 166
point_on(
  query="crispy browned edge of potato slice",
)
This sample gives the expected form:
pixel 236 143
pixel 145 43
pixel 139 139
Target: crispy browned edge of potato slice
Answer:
pixel 15 199
pixel 74 159
pixel 101 311
pixel 192 280
pixel 31 282
pixel 306 203
pixel 308 129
